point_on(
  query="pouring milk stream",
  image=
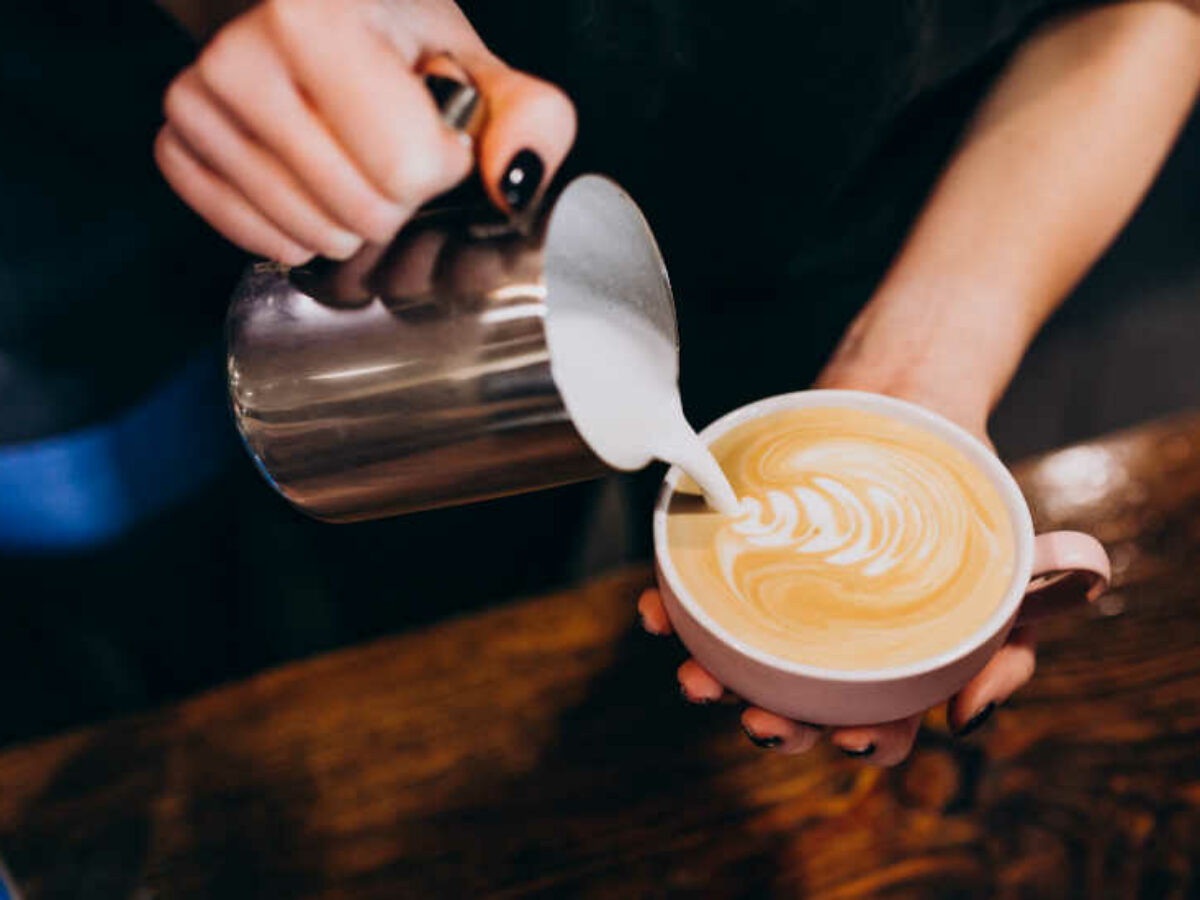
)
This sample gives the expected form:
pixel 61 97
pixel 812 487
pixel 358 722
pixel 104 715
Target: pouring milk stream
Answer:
pixel 618 376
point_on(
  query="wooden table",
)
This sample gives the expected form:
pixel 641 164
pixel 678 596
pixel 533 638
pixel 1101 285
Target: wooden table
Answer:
pixel 542 749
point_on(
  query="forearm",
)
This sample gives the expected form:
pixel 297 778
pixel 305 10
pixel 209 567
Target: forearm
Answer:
pixel 1056 160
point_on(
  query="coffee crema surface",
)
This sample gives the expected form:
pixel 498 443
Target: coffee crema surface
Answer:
pixel 863 542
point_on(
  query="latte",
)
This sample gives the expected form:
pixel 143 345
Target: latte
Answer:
pixel 861 542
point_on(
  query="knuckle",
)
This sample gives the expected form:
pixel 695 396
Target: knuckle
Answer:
pixel 218 64
pixel 162 152
pixel 283 15
pixel 172 161
pixel 177 99
pixel 291 19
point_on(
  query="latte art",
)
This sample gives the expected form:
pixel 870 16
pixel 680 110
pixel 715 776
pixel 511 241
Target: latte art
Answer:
pixel 853 507
pixel 862 541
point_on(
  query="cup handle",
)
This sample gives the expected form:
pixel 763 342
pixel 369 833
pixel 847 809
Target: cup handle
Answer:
pixel 1069 568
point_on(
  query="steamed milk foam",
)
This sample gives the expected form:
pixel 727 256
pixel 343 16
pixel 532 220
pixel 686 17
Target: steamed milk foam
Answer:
pixel 619 379
pixel 862 541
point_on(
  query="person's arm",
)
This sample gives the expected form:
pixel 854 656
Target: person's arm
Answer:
pixel 1058 156
pixel 1055 162
pixel 309 127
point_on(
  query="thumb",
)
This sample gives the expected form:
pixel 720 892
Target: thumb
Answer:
pixel 529 130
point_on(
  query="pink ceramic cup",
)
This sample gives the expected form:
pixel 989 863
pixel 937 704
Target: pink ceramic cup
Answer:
pixel 865 696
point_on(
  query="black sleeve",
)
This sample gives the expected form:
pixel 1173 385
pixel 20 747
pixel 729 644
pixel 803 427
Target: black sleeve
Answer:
pixel 107 282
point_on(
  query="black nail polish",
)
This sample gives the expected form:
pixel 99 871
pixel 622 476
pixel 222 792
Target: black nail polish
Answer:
pixel 766 742
pixel 976 720
pixel 522 179
pixel 861 753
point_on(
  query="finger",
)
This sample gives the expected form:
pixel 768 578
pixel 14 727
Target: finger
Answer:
pixel 883 745
pixel 772 732
pixel 364 87
pixel 472 268
pixel 653 613
pixel 245 72
pixel 408 271
pixel 222 206
pixel 224 148
pixel 696 685
pixel 1005 672
pixel 529 130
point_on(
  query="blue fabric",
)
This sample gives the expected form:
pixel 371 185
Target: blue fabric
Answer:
pixel 90 486
pixel 5 893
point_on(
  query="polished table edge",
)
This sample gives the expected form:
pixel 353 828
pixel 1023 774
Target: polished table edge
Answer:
pixel 1031 474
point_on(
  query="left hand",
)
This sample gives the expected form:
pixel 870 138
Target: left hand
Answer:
pixel 886 743
pixel 1003 237
pixel 883 744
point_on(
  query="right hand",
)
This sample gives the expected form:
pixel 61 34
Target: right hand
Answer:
pixel 304 127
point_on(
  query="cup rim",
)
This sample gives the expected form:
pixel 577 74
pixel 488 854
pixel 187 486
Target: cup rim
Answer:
pixel 975 450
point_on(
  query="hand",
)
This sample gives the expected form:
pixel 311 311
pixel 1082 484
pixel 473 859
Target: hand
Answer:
pixel 305 126
pixel 1002 238
pixel 886 743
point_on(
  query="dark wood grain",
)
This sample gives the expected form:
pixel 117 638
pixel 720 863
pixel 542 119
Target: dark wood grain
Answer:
pixel 541 749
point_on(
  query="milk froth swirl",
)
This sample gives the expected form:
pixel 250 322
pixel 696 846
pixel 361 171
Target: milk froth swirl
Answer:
pixel 862 541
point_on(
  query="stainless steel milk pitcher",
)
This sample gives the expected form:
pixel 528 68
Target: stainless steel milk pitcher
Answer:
pixel 418 375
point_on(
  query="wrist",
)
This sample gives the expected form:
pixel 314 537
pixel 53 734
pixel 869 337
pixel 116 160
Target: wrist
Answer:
pixel 963 405
pixel 954 356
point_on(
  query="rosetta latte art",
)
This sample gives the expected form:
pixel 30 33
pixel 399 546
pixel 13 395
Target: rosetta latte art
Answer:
pixel 857 508
pixel 859 538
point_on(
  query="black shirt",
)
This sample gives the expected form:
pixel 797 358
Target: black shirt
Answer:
pixel 779 149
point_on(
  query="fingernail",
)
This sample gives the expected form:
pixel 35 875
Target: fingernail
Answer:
pixel 296 257
pixel 764 741
pixel 698 701
pixel 343 244
pixel 976 720
pixel 521 179
pixel 653 632
pixel 456 101
pixel 861 752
